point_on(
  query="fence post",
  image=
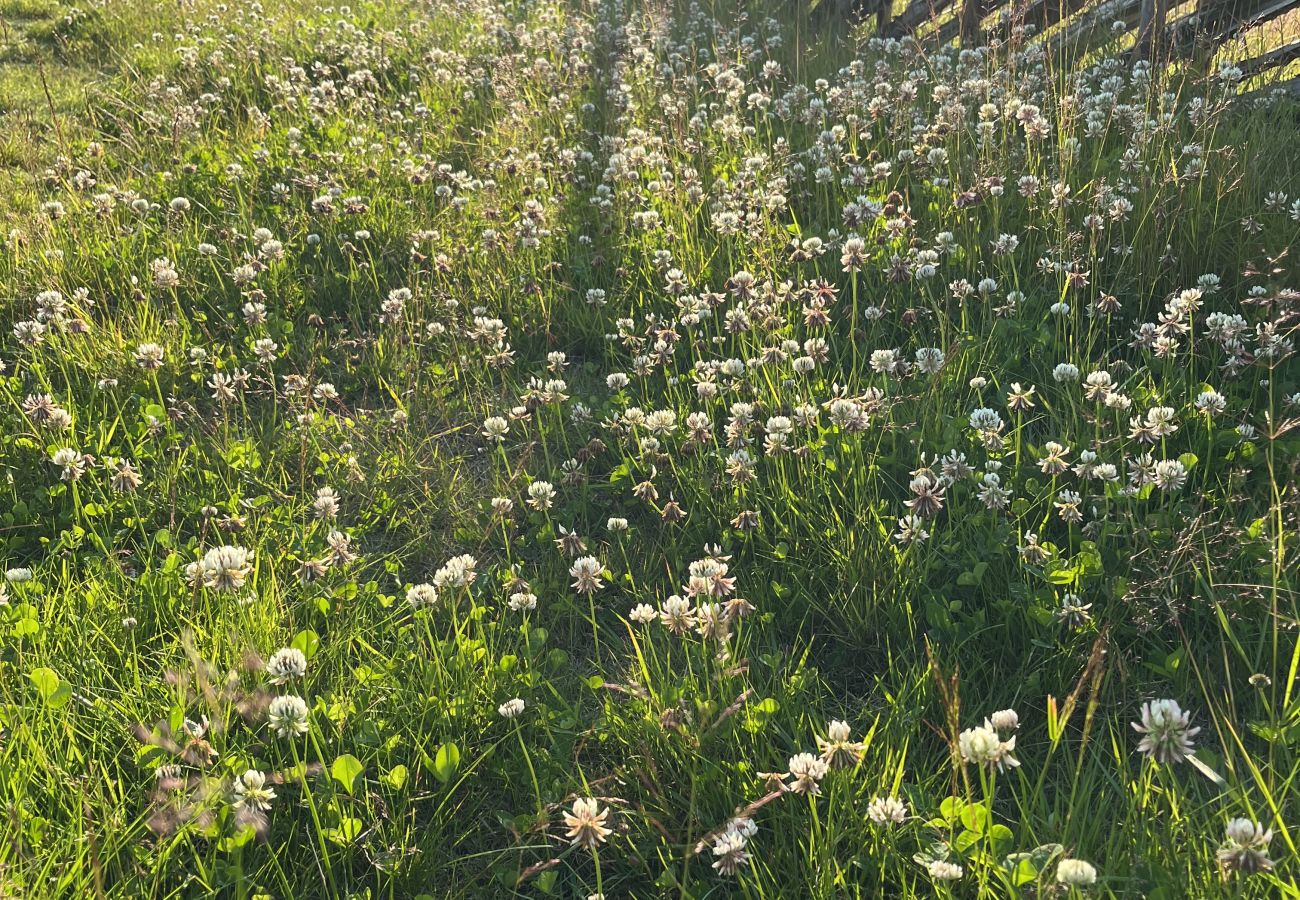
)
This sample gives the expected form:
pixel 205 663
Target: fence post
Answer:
pixel 1151 28
pixel 883 9
pixel 970 22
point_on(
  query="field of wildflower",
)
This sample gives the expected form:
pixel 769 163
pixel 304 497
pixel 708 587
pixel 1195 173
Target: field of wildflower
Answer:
pixel 636 448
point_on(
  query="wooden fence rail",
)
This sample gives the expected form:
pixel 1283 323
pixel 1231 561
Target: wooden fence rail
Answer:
pixel 1075 26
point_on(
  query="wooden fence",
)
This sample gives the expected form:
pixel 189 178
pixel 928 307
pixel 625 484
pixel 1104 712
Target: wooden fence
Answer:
pixel 1162 29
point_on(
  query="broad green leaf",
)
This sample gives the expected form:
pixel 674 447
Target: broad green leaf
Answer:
pixel 1001 838
pixel 965 840
pixel 446 762
pixel 396 777
pixel 237 840
pixel 53 690
pixel 307 641
pixel 1021 869
pixel 951 808
pixel 346 769
pixel 346 832
pixel 975 817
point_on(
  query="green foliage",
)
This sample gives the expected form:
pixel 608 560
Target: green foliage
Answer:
pixel 270 287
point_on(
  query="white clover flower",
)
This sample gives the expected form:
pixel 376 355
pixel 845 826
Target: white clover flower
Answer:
pixel 586 573
pixel 1166 731
pixel 942 870
pixel 1005 720
pixel 1053 461
pixel 541 495
pixel 985 419
pixel 729 851
pixel 70 461
pixel 1065 373
pixel 224 568
pixel 911 530
pixel 1245 847
pixel 326 504
pixel 838 749
pixel 982 746
pixel 885 362
pixel 250 791
pixel 495 428
pixel 287 716
pixel 1210 403
pixel 677 614
pixel 421 595
pixel 807 772
pixel 586 823
pixel 457 572
pixel 1160 421
pixel 149 356
pixel 1169 475
pixel 286 664
pixel 643 614
pixel 661 422
pixel 929 360
pixel 511 708
pixel 1075 872
pixel 887 811
pixel 523 601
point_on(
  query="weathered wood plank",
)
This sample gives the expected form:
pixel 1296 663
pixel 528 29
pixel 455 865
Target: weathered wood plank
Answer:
pixel 884 8
pixel 1079 33
pixel 1279 56
pixel 1291 86
pixel 1213 23
pixel 916 14
pixel 952 28
pixel 970 21
pixel 1043 14
pixel 1151 28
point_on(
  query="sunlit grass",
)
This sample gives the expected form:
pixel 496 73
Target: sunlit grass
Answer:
pixel 554 449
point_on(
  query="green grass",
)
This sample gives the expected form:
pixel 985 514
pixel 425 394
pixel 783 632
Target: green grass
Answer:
pixel 353 236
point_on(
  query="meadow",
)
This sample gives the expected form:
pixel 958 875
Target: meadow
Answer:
pixel 636 448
